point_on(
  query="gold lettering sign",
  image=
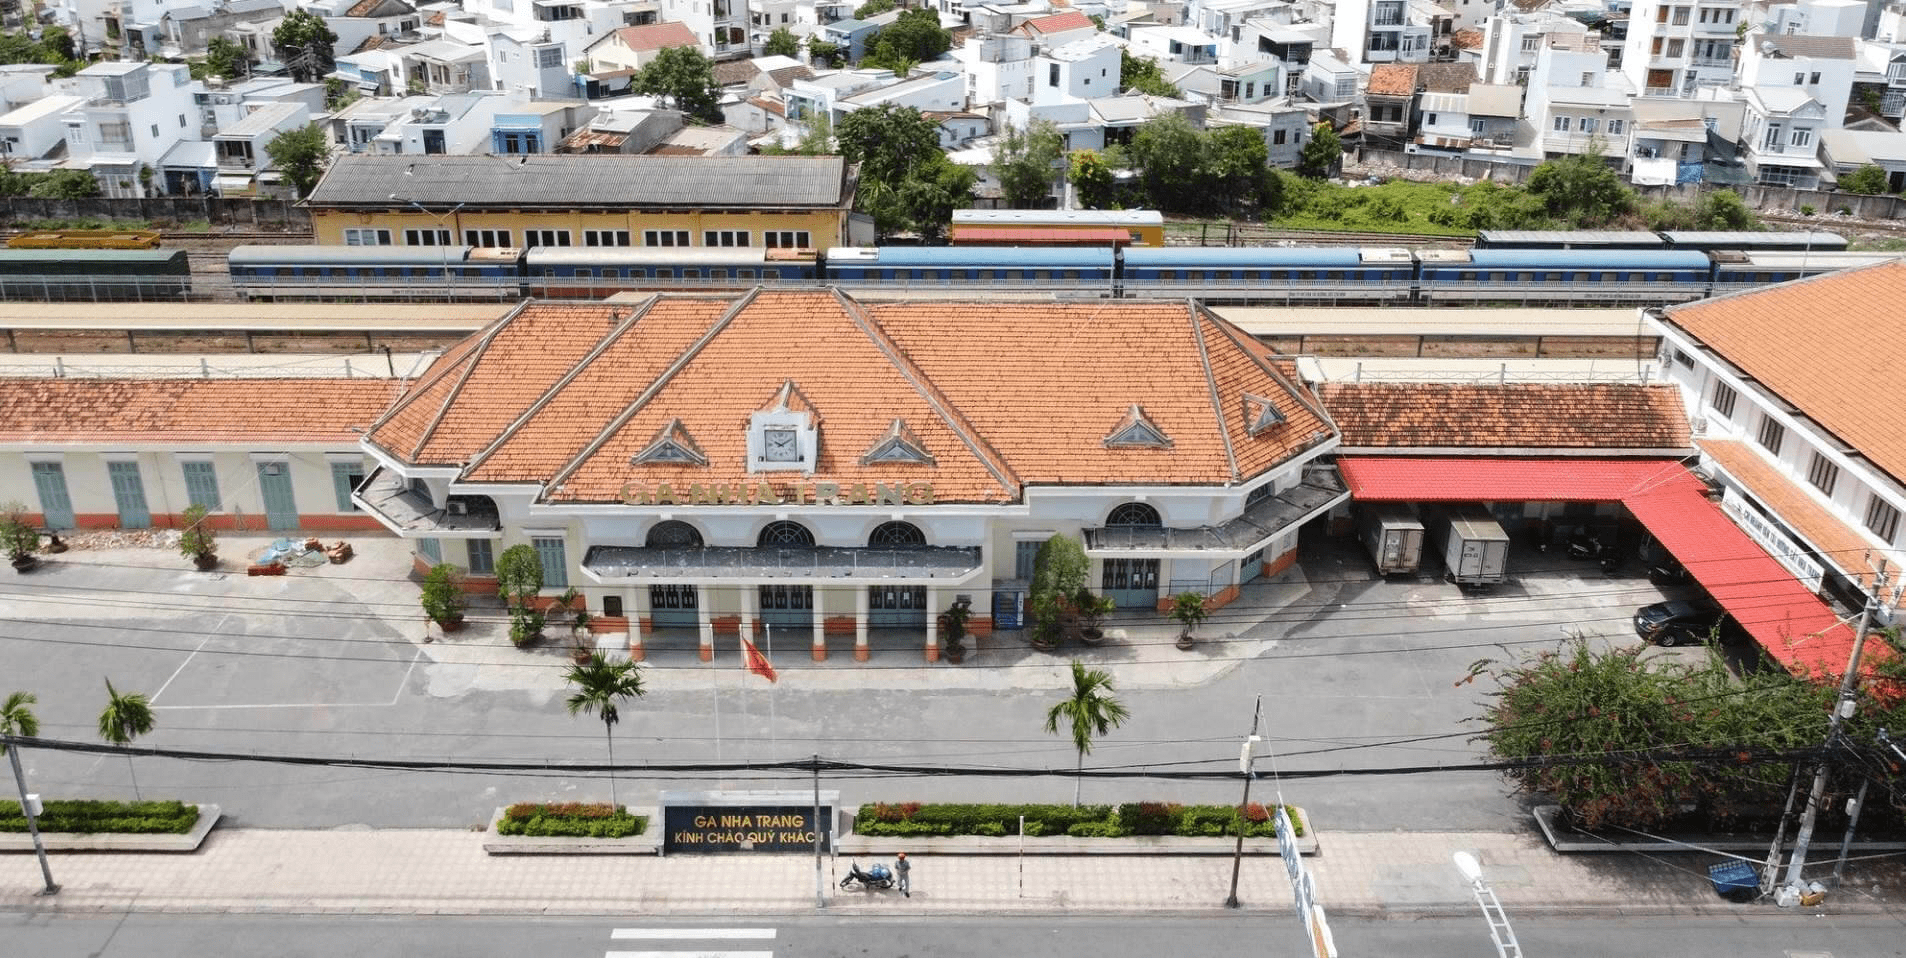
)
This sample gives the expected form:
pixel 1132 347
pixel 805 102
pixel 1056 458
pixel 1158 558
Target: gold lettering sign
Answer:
pixel 776 494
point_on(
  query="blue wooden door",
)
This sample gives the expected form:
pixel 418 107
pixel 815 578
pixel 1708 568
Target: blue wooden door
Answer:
pixel 55 505
pixel 1131 583
pixel 897 606
pixel 129 494
pixel 281 507
pixel 673 607
pixel 787 606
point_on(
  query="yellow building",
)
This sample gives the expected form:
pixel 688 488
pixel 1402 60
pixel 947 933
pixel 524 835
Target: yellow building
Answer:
pixel 588 200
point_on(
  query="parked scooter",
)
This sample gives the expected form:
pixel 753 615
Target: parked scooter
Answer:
pixel 1587 546
pixel 876 876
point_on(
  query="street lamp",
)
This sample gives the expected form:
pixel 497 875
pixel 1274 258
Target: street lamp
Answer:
pixel 444 248
pixel 1499 930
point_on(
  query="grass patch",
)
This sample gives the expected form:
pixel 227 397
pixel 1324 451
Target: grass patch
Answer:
pixel 89 223
pixel 1878 244
pixel 913 819
pixel 87 816
pixel 571 820
pixel 195 226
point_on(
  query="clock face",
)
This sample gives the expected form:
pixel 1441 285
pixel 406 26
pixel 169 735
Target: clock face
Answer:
pixel 780 445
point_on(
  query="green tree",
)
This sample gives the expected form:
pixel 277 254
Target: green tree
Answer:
pixel 1581 190
pixel 1238 163
pixel 1189 609
pixel 872 8
pixel 306 46
pixel 300 155
pixel 825 54
pixel 906 181
pixel 1319 158
pixel 1142 75
pixel 55 46
pixel 684 78
pixel 1170 156
pixel 1059 571
pixel 442 595
pixel 1023 161
pixel 915 37
pixel 64 185
pixel 17 718
pixel 519 578
pixel 1090 711
pixel 225 57
pixel 601 687
pixel 58 45
pixel 126 717
pixel 1724 210
pixel 782 43
pixel 1092 180
pixel 1869 179
pixel 929 199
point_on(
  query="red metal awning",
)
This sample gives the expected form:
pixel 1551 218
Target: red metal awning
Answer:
pixel 1038 236
pixel 1797 629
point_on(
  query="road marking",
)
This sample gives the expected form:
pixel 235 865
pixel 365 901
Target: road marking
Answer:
pixel 688 954
pixel 395 696
pixel 209 633
pixel 701 934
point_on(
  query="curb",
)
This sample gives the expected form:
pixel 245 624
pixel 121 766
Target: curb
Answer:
pixel 110 842
pixel 1548 819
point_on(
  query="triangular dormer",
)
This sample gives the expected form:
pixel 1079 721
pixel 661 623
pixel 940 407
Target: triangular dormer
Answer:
pixel 897 445
pixel 789 398
pixel 672 446
pixel 1137 429
pixel 1260 414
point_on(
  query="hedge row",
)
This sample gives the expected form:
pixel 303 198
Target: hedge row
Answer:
pixel 913 819
pixel 571 820
pixel 88 816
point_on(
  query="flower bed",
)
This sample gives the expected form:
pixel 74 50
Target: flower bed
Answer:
pixel 913 819
pixel 570 820
pixel 87 816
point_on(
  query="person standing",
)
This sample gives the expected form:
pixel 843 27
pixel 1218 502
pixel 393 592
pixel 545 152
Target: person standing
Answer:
pixel 900 869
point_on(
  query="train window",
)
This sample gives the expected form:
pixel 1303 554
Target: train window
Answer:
pixel 770 274
pixel 585 274
pixel 1070 274
pixel 1015 274
pixel 663 272
pixel 691 274
pixel 1168 274
pixel 717 274
pixel 311 271
pixel 1306 274
pixel 744 273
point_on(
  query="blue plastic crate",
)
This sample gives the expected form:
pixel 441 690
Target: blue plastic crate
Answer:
pixel 1736 881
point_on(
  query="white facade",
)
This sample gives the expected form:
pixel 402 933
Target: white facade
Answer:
pixel 1081 70
pixel 1675 46
pixel 998 67
pixel 134 114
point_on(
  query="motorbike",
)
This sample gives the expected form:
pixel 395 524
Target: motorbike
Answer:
pixel 1586 546
pixel 876 876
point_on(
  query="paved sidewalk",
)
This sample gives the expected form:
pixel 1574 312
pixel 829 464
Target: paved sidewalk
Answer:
pixel 446 872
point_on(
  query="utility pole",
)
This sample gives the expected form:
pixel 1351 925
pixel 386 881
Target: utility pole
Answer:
pixel 32 815
pixel 1842 710
pixel 1245 766
pixel 820 884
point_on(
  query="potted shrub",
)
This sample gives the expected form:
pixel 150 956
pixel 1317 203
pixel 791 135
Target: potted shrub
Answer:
pixel 579 617
pixel 1091 610
pixel 443 597
pixel 198 542
pixel 1188 608
pixel 519 577
pixel 1059 572
pixel 952 629
pixel 18 537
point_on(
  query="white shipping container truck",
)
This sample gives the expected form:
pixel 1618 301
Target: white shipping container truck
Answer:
pixel 1474 548
pixel 1394 536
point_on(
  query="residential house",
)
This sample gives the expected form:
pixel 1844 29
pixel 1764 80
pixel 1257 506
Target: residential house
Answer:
pixel 625 132
pixel 703 141
pixel 536 126
pixel 1121 116
pixel 1389 99
pixel 525 62
pixel 998 67
pixel 1057 29
pixel 1286 128
pixel 1495 115
pixel 1328 79
pixel 1081 69
pixel 1253 82
pixel 355 21
pixel 1441 118
pixel 838 93
pixel 720 26
pixel 445 66
pixel 1672 136
pixel 1576 106
pixel 134 114
pixel 357 124
pixel 1379 31
pixel 1780 136
pixel 1820 66
pixel 1511 42
pixel 190 168
pixel 1820 18
pixel 1174 43
pixel 1288 46
pixel 632 48
pixel 1228 20
pixel 36 129
pixel 458 123
pixel 186 29
pixel 1675 46
pixel 1845 151
pixel 240 149
pixel 959 129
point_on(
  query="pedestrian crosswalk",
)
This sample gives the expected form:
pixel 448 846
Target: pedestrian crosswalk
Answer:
pixel 691 942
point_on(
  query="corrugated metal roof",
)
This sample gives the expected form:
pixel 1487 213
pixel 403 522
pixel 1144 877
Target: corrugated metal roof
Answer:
pixel 1637 259
pixel 994 257
pixel 575 180
pixel 1243 257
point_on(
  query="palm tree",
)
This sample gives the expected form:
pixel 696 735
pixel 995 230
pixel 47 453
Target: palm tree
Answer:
pixel 600 685
pixel 17 719
pixel 126 717
pixel 1090 711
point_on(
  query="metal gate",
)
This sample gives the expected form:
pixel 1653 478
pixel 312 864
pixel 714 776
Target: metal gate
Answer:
pixel 1253 567
pixel 1131 583
pixel 55 505
pixel 787 606
pixel 897 606
pixel 673 607
pixel 281 507
pixel 129 494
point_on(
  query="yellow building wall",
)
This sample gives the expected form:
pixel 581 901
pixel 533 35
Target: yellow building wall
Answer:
pixel 827 228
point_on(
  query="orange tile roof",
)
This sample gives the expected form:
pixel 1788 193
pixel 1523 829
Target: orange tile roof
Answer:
pixel 1060 22
pixel 1846 378
pixel 1838 543
pixel 1392 79
pixel 998 394
pixel 1595 417
pixel 657 36
pixel 141 411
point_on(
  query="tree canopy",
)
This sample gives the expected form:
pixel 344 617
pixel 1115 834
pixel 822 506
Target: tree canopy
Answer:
pixel 1093 182
pixel 1024 161
pixel 1184 169
pixel 1869 179
pixel 300 155
pixel 226 58
pixel 1581 190
pixel 782 43
pixel 872 8
pixel 906 181
pixel 684 78
pixel 1320 156
pixel 914 38
pixel 306 45
pixel 1142 75
pixel 55 47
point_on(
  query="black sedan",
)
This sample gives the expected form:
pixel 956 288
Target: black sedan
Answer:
pixel 1685 622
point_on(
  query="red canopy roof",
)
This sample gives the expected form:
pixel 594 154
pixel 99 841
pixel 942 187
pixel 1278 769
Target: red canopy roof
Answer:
pixel 1796 628
pixel 1039 236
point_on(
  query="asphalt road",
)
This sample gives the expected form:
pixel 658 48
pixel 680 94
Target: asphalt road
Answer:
pixel 1354 672
pixel 159 936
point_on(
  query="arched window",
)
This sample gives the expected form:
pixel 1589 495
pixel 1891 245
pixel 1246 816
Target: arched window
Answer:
pixel 785 533
pixel 1134 514
pixel 897 533
pixel 674 534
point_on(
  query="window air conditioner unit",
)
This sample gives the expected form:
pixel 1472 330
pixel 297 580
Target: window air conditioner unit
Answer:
pixel 458 507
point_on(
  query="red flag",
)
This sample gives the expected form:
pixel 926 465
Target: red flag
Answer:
pixel 757 663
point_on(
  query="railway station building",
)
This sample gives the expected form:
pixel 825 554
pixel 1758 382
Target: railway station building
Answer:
pixel 588 201
pixel 840 472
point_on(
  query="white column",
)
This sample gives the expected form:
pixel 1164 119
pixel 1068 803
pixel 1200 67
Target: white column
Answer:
pixel 749 599
pixel 704 618
pixel 820 624
pixel 633 599
pixel 861 649
pixel 933 624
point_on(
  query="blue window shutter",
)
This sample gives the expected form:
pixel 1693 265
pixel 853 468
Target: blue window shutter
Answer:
pixel 201 484
pixel 555 567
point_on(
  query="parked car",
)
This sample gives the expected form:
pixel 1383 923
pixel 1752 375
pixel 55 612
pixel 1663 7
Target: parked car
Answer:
pixel 1686 622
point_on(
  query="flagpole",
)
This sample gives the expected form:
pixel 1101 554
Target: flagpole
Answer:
pixel 773 741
